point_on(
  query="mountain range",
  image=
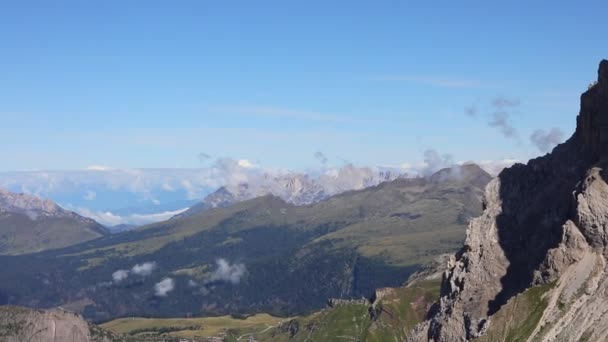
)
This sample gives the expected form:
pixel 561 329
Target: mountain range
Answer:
pixel 258 255
pixel 532 266
pixel 296 188
pixel 135 197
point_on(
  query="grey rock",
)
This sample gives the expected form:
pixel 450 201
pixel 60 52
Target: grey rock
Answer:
pixel 19 324
pixel 542 222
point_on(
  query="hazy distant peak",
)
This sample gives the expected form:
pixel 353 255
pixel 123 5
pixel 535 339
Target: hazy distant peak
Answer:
pixel 30 205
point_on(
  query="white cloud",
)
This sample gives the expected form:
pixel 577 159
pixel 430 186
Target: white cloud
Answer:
pixel 246 164
pixel 144 269
pixel 98 168
pixel 162 288
pixel 433 161
pixel 145 183
pixel 109 219
pixel 494 167
pixel 168 187
pixel 227 272
pixel 105 218
pixel 120 275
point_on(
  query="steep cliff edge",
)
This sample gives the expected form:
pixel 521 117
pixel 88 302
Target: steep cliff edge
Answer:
pixel 544 226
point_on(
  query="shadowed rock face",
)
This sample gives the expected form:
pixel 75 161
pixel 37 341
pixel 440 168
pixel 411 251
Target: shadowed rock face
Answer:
pixel 592 123
pixel 536 218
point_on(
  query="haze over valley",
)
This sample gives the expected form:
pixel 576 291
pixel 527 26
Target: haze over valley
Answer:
pixel 272 171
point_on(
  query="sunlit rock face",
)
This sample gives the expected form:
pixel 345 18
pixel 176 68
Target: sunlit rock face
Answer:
pixel 543 223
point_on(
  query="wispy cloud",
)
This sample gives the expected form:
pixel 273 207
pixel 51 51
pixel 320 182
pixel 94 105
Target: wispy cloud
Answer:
pixel 441 82
pixel 545 141
pixel 433 161
pixel 144 269
pixel 163 287
pixel 320 156
pixel 225 273
pixel 228 272
pixel 120 275
pixel 98 168
pixel 502 121
pixel 499 116
pixel 494 167
pixel 107 218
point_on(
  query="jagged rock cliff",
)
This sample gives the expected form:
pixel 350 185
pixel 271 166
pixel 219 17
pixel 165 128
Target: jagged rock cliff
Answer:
pixel 544 223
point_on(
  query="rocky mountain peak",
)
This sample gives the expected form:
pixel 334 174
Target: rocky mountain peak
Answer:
pixel 30 205
pixel 545 225
pixel 592 122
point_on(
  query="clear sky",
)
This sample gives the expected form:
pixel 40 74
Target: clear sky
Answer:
pixel 156 83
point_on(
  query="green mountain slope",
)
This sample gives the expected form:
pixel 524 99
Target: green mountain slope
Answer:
pixel 29 224
pixel 262 255
pixel 388 316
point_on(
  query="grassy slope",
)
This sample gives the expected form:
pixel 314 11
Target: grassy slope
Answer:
pixel 400 309
pixel 516 320
pixel 19 234
pixel 190 327
pixel 397 221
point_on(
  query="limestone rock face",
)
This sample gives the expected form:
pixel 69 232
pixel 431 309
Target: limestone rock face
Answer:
pixel 19 324
pixel 544 222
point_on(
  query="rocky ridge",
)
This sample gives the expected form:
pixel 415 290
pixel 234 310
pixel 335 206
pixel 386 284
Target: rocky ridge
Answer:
pixel 296 188
pixel 31 224
pixel 34 207
pixel 544 223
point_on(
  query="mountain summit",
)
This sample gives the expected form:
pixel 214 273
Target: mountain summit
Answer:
pixel 539 248
pixel 32 224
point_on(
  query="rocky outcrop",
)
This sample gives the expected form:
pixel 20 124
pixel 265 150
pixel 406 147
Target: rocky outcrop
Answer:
pixel 592 123
pixel 334 302
pixel 19 324
pixel 543 223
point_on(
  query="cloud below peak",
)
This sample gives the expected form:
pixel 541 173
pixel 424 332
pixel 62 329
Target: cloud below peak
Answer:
pixel 109 219
pixel 228 272
pixel 163 287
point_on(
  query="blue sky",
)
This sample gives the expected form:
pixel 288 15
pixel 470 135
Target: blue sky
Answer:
pixel 156 83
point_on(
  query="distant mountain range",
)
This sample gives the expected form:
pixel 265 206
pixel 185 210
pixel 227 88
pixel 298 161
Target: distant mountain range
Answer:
pixel 30 224
pixel 296 188
pixel 258 255
pixel 135 197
